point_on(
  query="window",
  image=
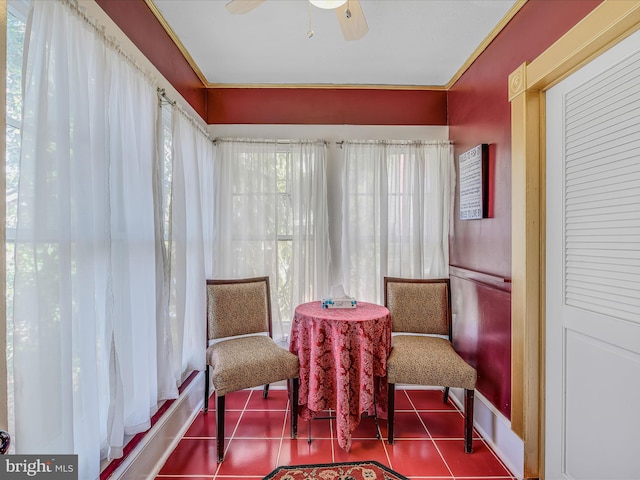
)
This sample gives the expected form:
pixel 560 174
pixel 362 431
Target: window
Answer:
pixel 167 168
pixel 273 219
pixel 396 204
pixel 270 240
pixel 16 24
pixel 284 219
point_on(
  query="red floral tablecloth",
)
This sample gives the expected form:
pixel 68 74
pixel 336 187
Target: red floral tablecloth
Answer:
pixel 341 351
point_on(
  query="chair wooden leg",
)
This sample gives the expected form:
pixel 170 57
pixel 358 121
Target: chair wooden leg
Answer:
pixel 293 401
pixel 206 389
pixel 376 388
pixel 265 391
pixel 468 420
pixel 445 397
pixel 391 405
pixel 220 427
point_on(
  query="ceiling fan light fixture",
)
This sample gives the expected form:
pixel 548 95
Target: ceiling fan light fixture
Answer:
pixel 327 4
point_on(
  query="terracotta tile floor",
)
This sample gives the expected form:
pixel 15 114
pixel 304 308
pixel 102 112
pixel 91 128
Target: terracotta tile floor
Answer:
pixel 428 444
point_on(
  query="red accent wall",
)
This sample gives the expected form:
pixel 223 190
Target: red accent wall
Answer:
pixel 479 112
pixel 326 106
pixel 141 26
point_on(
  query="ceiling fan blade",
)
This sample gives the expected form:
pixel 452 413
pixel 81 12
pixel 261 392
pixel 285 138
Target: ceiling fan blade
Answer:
pixel 239 7
pixel 352 22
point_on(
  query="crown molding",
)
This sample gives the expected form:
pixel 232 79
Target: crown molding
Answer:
pixel 485 43
pixel 174 38
pixel 325 86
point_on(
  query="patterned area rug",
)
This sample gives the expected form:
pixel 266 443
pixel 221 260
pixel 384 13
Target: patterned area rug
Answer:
pixel 368 470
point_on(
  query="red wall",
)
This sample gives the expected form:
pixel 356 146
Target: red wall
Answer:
pixel 139 24
pixel 479 112
pixel 327 106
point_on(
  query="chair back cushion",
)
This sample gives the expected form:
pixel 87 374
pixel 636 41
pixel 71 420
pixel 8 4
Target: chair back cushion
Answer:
pixel 419 306
pixel 238 307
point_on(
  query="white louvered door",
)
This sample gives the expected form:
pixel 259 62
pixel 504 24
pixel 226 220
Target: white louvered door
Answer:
pixel 593 270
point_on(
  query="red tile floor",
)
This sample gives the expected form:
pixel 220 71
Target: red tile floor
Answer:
pixel 428 443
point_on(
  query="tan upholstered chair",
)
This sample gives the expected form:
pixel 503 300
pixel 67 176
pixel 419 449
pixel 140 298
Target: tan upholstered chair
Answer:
pixel 422 353
pixel 236 310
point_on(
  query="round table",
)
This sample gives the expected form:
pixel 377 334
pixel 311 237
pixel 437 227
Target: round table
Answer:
pixel 343 360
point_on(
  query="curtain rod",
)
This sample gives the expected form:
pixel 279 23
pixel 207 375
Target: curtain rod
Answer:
pixel 111 42
pixel 338 143
pixel 162 94
pixel 267 140
pixel 394 142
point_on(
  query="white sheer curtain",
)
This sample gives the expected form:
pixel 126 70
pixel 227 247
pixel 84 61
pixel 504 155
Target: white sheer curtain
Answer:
pixel 396 207
pixel 85 350
pixel 191 151
pixel 271 219
pixel 209 172
pixel 311 255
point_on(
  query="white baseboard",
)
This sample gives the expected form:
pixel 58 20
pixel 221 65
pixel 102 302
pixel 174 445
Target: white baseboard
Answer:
pixel 148 457
pixel 495 429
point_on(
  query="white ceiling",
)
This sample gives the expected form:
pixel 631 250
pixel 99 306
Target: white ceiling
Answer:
pixel 410 42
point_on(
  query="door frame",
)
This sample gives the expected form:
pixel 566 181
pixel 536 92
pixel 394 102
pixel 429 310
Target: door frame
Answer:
pixel 608 24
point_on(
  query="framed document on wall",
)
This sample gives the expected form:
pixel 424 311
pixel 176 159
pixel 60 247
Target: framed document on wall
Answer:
pixel 473 171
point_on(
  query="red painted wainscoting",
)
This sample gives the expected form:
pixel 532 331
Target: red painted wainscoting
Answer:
pixel 481 304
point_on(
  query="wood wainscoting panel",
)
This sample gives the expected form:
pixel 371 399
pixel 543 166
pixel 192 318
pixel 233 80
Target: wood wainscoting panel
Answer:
pixel 481 305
